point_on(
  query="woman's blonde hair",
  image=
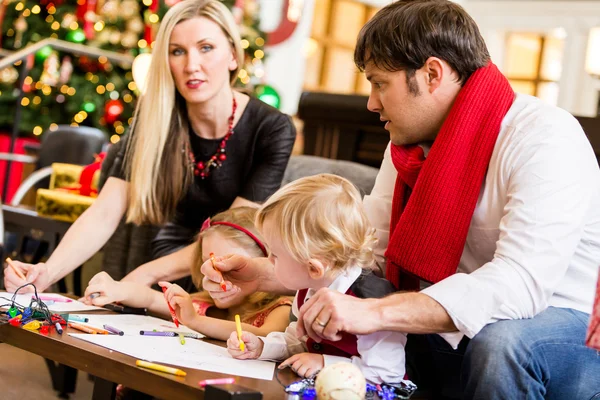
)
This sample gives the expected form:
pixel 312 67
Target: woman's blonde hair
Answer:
pixel 157 164
pixel 321 217
pixel 257 302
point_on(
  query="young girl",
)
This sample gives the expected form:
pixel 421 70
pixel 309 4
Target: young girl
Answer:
pixel 231 231
pixel 319 236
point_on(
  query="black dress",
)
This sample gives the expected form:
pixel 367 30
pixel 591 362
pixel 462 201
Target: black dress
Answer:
pixel 257 155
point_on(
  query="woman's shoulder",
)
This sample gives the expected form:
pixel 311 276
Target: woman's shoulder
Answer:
pixel 261 111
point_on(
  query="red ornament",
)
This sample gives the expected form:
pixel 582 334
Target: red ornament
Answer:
pixel 112 111
pixel 88 65
pixel 203 169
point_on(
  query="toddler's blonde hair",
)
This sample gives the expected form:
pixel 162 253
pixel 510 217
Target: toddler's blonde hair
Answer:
pixel 321 217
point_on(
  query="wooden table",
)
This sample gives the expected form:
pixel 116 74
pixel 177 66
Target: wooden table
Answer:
pixel 26 222
pixel 111 367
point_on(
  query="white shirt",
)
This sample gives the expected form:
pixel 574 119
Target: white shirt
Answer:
pixel 534 240
pixel 381 353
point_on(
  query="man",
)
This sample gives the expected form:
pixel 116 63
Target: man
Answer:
pixel 490 196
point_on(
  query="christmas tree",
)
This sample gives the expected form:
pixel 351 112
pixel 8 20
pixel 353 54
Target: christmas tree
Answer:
pixel 62 88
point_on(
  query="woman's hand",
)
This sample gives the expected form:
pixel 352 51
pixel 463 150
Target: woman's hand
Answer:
pixel 253 346
pixel 181 302
pixel 37 274
pixel 103 289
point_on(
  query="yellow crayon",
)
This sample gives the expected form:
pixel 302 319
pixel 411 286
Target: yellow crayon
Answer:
pixel 238 327
pixel 161 368
pixel 181 339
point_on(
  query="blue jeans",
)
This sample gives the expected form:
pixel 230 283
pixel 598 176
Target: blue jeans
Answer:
pixel 540 358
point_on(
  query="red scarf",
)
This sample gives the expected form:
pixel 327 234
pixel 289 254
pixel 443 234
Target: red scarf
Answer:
pixel 428 230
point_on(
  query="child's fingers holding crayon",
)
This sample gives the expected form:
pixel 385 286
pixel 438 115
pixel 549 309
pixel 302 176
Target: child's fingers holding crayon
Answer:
pixel 253 346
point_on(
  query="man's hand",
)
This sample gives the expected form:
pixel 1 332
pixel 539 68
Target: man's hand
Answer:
pixel 329 313
pixel 304 364
pixel 181 302
pixel 37 274
pixel 253 346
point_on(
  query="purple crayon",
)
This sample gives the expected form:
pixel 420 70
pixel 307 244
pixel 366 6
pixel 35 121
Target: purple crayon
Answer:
pixel 171 334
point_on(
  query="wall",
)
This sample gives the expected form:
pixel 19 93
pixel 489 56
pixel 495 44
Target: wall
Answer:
pixel 578 90
pixel 284 67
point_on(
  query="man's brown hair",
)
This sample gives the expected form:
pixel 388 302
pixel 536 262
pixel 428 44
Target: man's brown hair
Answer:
pixel 404 34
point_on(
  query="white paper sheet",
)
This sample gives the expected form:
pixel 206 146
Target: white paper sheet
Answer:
pixel 194 354
pixel 58 307
pixel 131 325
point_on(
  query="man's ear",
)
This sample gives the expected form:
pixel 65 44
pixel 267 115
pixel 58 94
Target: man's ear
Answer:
pixel 434 69
pixel 316 269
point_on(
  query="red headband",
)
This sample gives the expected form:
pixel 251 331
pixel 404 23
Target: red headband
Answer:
pixel 207 224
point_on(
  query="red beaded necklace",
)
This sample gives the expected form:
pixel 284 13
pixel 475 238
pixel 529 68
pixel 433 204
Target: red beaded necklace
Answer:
pixel 203 168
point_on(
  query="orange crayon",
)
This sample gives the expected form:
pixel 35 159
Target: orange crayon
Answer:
pixel 212 260
pixel 17 270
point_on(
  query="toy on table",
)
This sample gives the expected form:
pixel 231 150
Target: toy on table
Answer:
pixel 35 317
pixel 334 385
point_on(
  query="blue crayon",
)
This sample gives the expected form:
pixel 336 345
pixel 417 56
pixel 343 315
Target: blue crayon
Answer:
pixel 76 318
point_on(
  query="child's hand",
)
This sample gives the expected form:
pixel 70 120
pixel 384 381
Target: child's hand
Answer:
pixel 253 346
pixel 304 364
pixel 105 290
pixel 181 302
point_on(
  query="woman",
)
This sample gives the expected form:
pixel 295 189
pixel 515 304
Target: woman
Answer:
pixel 197 147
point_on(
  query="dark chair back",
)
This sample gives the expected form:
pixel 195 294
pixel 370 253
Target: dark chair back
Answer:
pixel 339 126
pixel 71 145
pixel 591 127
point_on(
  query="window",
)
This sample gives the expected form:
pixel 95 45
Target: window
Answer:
pixel 534 64
pixel 330 49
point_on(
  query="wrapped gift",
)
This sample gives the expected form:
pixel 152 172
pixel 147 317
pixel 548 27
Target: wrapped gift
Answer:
pixel 61 205
pixel 593 334
pixel 72 190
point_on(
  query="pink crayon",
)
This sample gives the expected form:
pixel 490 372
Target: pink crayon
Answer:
pixel 218 381
pixel 54 299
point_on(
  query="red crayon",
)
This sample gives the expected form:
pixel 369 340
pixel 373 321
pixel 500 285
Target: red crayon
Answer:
pixel 175 320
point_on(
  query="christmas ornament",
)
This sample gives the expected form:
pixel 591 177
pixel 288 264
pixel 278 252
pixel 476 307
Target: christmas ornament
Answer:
pixel 238 11
pixel 139 70
pixel 129 39
pixel 9 75
pixel 3 5
pixel 88 65
pixel 115 37
pixel 50 74
pixel 66 70
pixel 341 381
pixel 76 36
pixel 112 110
pixel 129 8
pixel 110 9
pixel 42 54
pixel 268 94
pixel 88 107
pixel 135 25
pixel 68 19
pixel 20 28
